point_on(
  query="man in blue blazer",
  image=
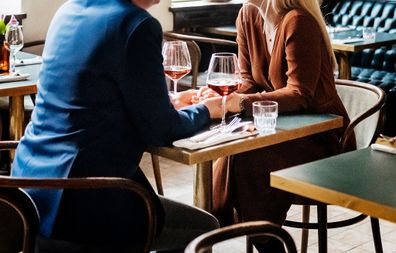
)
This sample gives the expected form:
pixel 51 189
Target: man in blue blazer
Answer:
pixel 102 100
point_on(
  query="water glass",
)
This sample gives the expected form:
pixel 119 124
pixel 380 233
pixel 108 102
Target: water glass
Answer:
pixel 369 33
pixel 265 114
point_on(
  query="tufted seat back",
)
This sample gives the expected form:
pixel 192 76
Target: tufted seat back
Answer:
pixel 377 67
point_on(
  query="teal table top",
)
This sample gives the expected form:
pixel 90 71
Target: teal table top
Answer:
pixel 363 180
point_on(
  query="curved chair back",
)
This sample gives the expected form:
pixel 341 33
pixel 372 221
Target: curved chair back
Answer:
pixel 12 195
pixel 364 104
pixel 205 242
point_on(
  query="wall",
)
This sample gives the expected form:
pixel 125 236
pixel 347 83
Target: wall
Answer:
pixel 40 12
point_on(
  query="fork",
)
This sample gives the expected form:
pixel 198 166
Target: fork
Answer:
pixel 205 135
pixel 388 138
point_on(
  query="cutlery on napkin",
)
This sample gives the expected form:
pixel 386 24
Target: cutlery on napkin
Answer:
pixel 385 144
pixel 11 78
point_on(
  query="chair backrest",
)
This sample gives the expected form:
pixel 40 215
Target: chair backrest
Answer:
pixel 205 242
pixel 13 196
pixel 364 104
pixel 193 42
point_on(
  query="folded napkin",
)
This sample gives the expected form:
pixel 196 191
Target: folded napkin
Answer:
pixel 12 78
pixel 213 137
pixel 383 145
pixel 29 61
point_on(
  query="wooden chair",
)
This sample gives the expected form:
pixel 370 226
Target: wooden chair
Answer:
pixel 364 104
pixel 205 242
pixel 13 196
pixel 195 42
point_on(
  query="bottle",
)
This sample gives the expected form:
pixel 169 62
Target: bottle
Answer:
pixel 4 54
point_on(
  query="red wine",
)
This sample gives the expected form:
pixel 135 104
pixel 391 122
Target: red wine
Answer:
pixel 223 87
pixel 176 72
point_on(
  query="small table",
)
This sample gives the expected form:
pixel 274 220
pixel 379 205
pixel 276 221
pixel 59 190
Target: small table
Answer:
pixel 289 127
pixel 342 49
pixel 16 92
pixel 362 180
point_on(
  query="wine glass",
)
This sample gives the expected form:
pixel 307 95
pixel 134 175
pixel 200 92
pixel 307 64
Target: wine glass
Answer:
pixel 13 41
pixel 224 77
pixel 177 62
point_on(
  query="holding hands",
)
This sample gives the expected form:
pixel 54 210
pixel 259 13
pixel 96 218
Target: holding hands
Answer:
pixel 209 98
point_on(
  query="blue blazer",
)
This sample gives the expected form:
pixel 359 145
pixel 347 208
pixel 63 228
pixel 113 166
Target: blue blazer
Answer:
pixel 102 99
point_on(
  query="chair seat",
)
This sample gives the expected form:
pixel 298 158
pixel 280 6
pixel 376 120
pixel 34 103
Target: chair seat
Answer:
pixel 185 82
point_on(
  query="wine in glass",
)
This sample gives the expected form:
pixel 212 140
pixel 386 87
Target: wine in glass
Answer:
pixel 13 40
pixel 224 77
pixel 177 62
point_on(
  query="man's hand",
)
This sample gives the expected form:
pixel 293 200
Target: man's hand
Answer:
pixel 183 98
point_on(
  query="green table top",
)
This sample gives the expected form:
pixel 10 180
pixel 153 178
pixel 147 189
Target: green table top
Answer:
pixel 363 180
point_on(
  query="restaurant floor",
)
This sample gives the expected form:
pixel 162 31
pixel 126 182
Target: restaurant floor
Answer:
pixel 177 180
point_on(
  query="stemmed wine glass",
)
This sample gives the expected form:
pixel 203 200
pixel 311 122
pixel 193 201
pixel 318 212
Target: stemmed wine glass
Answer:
pixel 13 41
pixel 224 77
pixel 177 62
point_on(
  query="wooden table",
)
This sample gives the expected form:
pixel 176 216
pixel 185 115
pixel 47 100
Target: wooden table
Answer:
pixel 289 127
pixel 343 50
pixel 362 180
pixel 16 92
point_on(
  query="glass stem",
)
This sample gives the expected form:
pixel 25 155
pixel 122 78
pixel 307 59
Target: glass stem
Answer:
pixel 175 87
pixel 223 107
pixel 13 62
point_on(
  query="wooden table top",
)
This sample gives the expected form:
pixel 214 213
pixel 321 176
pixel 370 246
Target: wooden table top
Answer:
pixel 362 180
pixel 289 127
pixel 25 87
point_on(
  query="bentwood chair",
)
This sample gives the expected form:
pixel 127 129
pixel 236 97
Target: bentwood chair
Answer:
pixel 364 104
pixel 205 242
pixel 17 200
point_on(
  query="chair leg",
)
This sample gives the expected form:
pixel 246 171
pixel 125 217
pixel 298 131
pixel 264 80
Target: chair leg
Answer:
pixel 249 245
pixel 375 228
pixel 157 174
pixel 322 231
pixel 305 232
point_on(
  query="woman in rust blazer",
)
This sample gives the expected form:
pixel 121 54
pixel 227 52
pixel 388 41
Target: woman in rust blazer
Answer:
pixel 285 55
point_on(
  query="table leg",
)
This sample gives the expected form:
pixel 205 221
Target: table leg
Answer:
pixel 344 66
pixel 203 186
pixel 16 119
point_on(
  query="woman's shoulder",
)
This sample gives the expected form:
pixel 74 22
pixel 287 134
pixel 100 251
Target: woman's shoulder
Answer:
pixel 297 17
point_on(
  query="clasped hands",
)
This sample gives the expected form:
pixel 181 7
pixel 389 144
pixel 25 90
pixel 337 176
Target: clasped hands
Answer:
pixel 209 98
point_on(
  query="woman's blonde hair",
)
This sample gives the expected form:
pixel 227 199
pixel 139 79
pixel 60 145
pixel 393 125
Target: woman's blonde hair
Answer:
pixel 281 7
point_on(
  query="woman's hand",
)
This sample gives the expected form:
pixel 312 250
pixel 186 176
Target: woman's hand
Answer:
pixel 204 93
pixel 233 102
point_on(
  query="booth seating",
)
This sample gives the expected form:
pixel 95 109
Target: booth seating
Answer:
pixel 377 67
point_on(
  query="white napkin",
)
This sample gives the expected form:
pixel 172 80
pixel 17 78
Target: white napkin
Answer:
pixel 29 61
pixel 383 148
pixel 12 78
pixel 212 137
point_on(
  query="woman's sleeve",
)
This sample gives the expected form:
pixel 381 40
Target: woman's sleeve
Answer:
pixel 144 91
pixel 303 48
pixel 248 83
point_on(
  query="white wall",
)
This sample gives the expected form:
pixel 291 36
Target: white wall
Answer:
pixel 162 13
pixel 40 12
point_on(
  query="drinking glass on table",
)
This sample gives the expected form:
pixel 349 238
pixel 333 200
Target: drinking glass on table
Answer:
pixel 13 40
pixel 224 77
pixel 265 114
pixel 177 62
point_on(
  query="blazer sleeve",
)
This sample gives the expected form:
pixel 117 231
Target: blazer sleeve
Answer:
pixel 144 91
